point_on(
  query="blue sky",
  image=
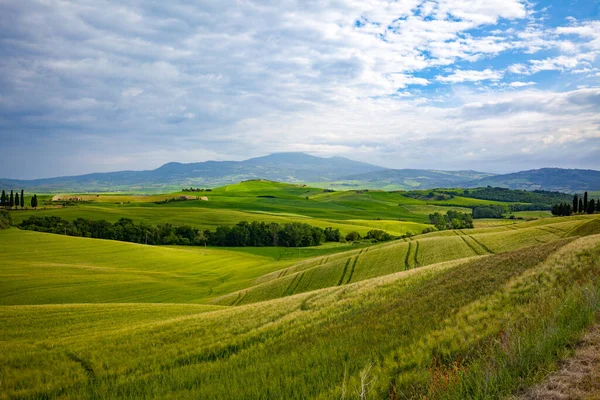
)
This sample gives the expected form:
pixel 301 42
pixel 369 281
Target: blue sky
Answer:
pixel 492 85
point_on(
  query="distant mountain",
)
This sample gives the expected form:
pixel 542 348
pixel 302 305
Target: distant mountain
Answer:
pixel 555 179
pixel 286 167
pixel 335 172
pixel 408 179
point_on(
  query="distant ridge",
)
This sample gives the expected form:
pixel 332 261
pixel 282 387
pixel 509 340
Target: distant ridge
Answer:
pixel 552 179
pixel 285 167
pixel 296 167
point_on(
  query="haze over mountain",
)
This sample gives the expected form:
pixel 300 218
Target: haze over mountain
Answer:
pixel 334 172
pixel 286 167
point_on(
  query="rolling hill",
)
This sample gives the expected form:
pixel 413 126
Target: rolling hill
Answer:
pixel 551 179
pixel 476 313
pixel 287 167
pixel 333 172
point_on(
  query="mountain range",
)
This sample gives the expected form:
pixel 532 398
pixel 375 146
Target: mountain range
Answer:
pixel 334 172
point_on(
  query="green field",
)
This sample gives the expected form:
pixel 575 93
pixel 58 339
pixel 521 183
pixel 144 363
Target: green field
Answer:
pixel 473 313
pixel 265 201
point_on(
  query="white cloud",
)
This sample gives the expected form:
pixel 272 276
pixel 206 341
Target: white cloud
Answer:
pixel 239 78
pixel 471 76
pixel 521 84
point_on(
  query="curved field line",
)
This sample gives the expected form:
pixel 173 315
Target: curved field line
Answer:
pixel 352 270
pixel 406 264
pixel 287 289
pixel 470 246
pixel 240 298
pixel 483 246
pixel 416 254
pixel 87 367
pixel 545 229
pixel 297 283
pixel 235 300
pixel 344 272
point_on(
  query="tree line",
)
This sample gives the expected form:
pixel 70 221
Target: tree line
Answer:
pixel 243 234
pixel 541 198
pixel 14 200
pixel 451 220
pixel 580 205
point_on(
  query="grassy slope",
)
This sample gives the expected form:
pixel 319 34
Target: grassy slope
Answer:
pixel 341 269
pixel 46 268
pixel 418 329
pixel 269 202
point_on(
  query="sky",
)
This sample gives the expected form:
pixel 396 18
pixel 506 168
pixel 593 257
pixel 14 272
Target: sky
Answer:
pixel 490 85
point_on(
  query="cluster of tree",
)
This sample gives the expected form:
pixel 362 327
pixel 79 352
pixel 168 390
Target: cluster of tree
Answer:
pixel 491 211
pixel 5 219
pixel 540 197
pixel 562 209
pixel 293 234
pixel 583 205
pixel 242 234
pixel 191 189
pixel 12 200
pixel 451 220
pixel 429 195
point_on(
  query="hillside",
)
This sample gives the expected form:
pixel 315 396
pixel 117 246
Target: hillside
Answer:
pixel 550 179
pixel 114 320
pixel 334 172
pixel 555 179
pixel 266 201
pixel 287 167
pixel 407 179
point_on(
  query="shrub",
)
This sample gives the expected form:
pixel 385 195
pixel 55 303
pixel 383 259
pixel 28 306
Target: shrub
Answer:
pixel 5 219
pixel 353 236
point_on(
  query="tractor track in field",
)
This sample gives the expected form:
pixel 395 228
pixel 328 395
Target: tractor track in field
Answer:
pixel 407 257
pixel 352 270
pixel 293 285
pixel 416 254
pixel 344 272
pixel 483 246
pixel 87 367
pixel 471 246
pixel 240 298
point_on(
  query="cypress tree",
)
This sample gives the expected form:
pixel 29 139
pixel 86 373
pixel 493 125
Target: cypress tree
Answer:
pixel 12 199
pixel 598 205
pixel 22 198
pixel 34 201
pixel 591 207
pixel 3 199
pixel 585 202
pixel 580 205
pixel 575 204
pixel 17 201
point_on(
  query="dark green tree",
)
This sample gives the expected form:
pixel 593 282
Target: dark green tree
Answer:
pixel 3 199
pixel 598 205
pixel 12 199
pixel 575 204
pixel 22 198
pixel 585 202
pixel 581 205
pixel 591 208
pixel 17 200
pixel 353 236
pixel 34 201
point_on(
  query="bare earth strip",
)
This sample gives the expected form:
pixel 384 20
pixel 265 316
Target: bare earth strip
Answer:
pixel 578 377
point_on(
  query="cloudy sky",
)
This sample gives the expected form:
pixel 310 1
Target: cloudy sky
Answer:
pixel 493 85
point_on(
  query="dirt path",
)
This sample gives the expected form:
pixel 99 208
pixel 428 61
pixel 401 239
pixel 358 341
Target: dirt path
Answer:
pixel 578 377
